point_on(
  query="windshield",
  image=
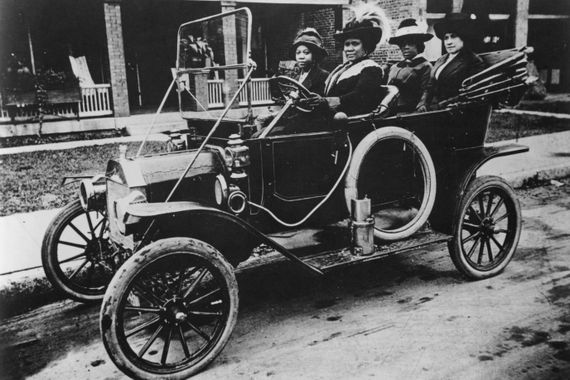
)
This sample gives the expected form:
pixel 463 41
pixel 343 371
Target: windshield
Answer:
pixel 212 60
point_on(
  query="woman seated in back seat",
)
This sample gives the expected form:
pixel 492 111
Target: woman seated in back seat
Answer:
pixel 411 75
pixel 458 31
pixel 354 87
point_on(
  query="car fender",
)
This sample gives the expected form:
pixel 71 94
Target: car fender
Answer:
pixel 467 163
pixel 486 154
pixel 232 236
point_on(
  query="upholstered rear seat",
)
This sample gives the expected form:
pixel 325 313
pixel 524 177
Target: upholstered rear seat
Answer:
pixel 387 105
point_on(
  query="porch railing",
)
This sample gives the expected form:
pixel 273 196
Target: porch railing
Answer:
pixel 260 93
pixel 95 101
pixel 215 93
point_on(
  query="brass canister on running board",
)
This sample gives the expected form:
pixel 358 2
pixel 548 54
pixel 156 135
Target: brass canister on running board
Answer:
pixel 361 227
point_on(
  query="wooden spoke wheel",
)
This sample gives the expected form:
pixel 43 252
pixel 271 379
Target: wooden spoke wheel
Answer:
pixel 486 229
pixel 77 256
pixel 170 310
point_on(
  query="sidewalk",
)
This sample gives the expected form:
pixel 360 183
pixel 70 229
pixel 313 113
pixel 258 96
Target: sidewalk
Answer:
pixel 77 144
pixel 21 234
pixel 133 124
pixel 548 158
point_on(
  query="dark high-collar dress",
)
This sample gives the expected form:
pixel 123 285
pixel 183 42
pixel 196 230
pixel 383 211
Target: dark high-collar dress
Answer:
pixel 447 84
pixel 412 79
pixel 315 80
pixel 357 84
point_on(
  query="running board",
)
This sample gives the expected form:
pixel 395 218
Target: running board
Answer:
pixel 331 260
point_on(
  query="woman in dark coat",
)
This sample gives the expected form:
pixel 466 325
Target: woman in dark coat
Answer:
pixel 354 87
pixel 457 30
pixel 308 50
pixel 412 74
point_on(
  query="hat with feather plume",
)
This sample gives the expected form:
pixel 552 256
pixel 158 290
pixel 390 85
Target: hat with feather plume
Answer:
pixel 369 24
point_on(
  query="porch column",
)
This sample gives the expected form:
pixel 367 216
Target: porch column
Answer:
pixel 117 67
pixel 521 23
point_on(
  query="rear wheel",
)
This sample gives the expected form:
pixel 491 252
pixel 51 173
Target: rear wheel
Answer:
pixel 77 257
pixel 486 229
pixel 170 310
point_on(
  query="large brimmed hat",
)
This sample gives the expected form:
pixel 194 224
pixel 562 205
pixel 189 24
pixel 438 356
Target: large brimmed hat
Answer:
pixel 465 25
pixel 312 39
pixel 410 30
pixel 367 24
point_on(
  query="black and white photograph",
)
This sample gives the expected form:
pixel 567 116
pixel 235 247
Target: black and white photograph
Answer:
pixel 285 189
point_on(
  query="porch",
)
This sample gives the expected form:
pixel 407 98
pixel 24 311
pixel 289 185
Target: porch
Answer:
pixel 96 103
pixel 96 113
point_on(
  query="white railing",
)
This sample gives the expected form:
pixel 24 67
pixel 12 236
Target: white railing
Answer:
pixel 215 93
pixel 95 101
pixel 260 93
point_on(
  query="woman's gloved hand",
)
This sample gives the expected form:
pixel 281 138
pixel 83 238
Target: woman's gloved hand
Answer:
pixel 315 101
pixel 421 108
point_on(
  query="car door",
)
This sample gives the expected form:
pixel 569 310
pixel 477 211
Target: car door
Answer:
pixel 301 170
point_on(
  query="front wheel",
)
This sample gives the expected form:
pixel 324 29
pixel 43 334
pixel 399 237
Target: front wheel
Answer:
pixel 170 310
pixel 487 228
pixel 77 256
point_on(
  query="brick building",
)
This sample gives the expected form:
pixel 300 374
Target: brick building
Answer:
pixel 131 44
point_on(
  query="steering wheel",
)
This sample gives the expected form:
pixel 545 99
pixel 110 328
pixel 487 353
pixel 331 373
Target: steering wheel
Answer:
pixel 294 90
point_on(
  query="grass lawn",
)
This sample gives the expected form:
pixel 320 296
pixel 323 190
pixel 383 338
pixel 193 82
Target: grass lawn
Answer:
pixel 32 181
pixel 506 126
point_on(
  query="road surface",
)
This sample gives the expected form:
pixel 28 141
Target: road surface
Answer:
pixel 407 317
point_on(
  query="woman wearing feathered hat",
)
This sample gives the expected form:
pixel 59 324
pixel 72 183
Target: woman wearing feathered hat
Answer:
pixel 458 32
pixel 354 87
pixel 412 74
pixel 308 51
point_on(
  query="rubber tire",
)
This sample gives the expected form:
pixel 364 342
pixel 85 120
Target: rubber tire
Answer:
pixel 133 266
pixel 477 186
pixel 359 154
pixel 49 253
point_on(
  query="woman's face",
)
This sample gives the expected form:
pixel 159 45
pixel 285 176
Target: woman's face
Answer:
pixel 354 49
pixel 409 49
pixel 304 57
pixel 452 42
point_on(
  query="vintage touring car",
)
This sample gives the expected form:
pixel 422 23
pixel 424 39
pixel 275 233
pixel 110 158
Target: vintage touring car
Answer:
pixel 158 237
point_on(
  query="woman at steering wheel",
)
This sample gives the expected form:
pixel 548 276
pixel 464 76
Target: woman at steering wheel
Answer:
pixel 308 51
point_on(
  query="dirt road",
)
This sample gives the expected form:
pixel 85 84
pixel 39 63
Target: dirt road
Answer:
pixel 407 317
